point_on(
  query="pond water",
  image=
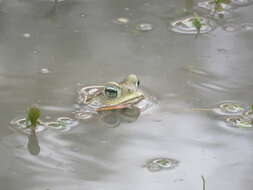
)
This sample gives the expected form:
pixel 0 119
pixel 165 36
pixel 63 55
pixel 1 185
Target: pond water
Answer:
pixel 47 51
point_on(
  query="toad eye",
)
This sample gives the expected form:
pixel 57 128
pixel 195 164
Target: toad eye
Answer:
pixel 112 92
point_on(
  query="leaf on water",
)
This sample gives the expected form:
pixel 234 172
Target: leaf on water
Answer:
pixel 33 116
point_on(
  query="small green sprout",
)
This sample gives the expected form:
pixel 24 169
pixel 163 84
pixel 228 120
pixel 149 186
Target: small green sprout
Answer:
pixel 197 23
pixel 33 116
pixel 218 4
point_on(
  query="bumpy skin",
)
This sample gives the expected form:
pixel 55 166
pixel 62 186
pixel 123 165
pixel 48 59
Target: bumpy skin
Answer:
pixel 129 95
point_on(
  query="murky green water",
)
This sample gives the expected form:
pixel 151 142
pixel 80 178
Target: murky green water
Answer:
pixel 47 52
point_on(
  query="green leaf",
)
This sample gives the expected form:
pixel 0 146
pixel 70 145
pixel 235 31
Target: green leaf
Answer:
pixel 33 116
pixel 252 107
pixel 222 1
pixel 196 21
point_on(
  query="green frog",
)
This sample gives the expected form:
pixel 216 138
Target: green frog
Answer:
pixel 112 95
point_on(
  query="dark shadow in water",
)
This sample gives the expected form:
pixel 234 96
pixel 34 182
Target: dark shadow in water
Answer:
pixel 33 143
pixel 115 117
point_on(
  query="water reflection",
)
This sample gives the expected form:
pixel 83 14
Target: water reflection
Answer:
pixel 33 143
pixel 114 118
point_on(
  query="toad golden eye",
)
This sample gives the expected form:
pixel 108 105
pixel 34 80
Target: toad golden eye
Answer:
pixel 112 92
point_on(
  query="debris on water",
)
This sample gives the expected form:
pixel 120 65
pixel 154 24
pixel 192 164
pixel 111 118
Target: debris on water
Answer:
pixel 26 35
pixel 159 164
pixel 122 20
pixel 186 26
pixel 44 71
pixel 144 27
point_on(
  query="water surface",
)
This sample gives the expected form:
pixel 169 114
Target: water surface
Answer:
pixel 181 72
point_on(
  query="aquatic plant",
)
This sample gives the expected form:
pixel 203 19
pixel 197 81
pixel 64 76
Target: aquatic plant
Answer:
pixel 197 23
pixel 32 119
pixel 218 4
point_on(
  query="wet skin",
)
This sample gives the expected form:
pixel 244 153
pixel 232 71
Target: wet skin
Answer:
pixel 113 95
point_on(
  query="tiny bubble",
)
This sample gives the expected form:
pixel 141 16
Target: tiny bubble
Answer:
pixel 44 71
pixel 83 15
pixel 27 35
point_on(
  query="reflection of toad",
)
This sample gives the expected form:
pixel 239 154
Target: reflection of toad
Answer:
pixel 114 118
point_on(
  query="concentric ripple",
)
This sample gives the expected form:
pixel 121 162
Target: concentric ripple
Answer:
pixel 20 124
pixel 185 25
pixel 210 5
pixel 242 3
pixel 248 114
pixel 159 164
pixel 239 122
pixel 229 108
pixel 62 123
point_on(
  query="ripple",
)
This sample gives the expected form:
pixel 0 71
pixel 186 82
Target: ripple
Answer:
pixel 247 26
pixel 144 27
pixel 248 114
pixel 62 123
pixel 210 5
pixel 185 26
pixel 229 108
pixel 231 27
pixel 159 164
pixel 224 14
pixel 21 125
pixel 242 3
pixel 239 122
